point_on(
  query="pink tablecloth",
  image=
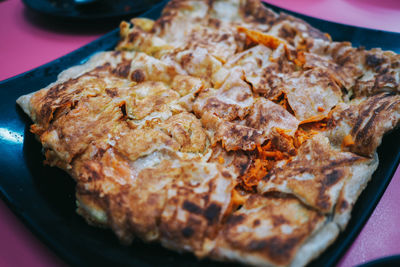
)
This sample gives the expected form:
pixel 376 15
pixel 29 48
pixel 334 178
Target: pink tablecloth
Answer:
pixel 27 42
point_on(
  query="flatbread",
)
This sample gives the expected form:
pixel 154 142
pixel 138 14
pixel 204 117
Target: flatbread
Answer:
pixel 223 129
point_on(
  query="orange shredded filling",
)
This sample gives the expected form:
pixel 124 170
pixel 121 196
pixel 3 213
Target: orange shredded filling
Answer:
pixel 261 38
pixel 301 136
pixel 221 160
pixel 266 155
pixel 272 42
pixel 347 141
pixel 300 59
pixel 316 118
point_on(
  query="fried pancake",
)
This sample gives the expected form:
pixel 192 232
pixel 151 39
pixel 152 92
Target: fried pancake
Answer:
pixel 223 129
pixel 360 125
pixel 270 230
pixel 315 175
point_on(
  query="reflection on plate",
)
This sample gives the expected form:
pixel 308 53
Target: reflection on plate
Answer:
pixel 96 10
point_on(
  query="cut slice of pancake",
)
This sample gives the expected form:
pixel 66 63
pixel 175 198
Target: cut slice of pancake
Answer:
pixel 316 174
pixel 272 231
pixel 360 125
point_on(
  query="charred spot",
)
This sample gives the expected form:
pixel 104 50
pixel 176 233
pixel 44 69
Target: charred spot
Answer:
pixel 62 109
pixel 242 97
pixel 95 72
pixel 371 104
pixel 123 68
pixel 246 137
pixel 395 64
pixel 46 111
pixel 278 220
pixel 386 78
pixel 212 213
pixel 337 163
pixel 191 207
pixel 112 92
pixel 152 199
pixel 223 37
pixel 343 90
pixel 366 142
pixel 288 34
pixel 214 104
pixel 116 53
pixel 100 152
pixel 187 232
pixel 158 102
pixel 256 222
pixel 138 76
pixel 133 36
pixel 173 6
pixel 255 245
pixel 93 174
pixel 255 11
pixel 235 219
pixel 363 134
pixel 343 60
pixel 226 174
pixel 215 22
pixel 323 202
pixel 268 176
pixel 243 166
pixel 393 105
pixel 332 178
pixel 373 61
pixel 55 91
pixel 263 118
pixel 280 250
pixel 186 59
pixel 123 110
pixel 343 205
pixel 259 62
pixel 164 21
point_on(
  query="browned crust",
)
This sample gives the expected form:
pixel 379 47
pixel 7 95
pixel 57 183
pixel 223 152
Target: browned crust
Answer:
pixel 160 134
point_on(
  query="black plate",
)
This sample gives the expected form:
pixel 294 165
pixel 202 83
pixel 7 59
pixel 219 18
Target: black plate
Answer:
pixel 100 10
pixel 43 197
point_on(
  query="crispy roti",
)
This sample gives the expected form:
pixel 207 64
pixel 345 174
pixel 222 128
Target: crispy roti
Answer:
pixel 223 129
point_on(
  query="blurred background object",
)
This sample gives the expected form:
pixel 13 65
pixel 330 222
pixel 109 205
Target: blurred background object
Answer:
pixel 97 10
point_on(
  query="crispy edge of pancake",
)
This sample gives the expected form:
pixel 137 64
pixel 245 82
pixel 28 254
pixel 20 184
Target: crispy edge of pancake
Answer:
pixel 322 234
pixel 70 73
pixel 315 175
pixel 87 207
pixel 352 188
pixel 360 125
pixel 316 244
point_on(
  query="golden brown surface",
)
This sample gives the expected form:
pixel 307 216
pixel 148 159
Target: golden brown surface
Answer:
pixel 223 129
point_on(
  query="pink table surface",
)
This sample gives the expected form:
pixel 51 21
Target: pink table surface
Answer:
pixel 28 42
